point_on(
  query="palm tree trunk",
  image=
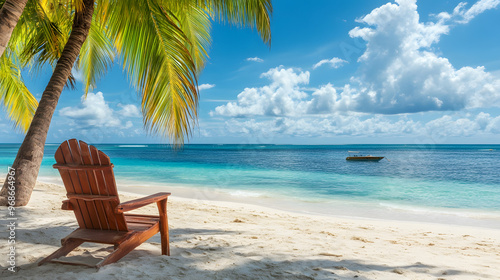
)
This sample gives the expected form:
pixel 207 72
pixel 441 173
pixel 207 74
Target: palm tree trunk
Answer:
pixel 9 16
pixel 29 158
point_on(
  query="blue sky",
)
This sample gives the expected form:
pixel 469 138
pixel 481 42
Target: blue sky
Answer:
pixel 337 72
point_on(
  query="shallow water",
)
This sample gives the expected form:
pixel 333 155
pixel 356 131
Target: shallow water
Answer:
pixel 444 183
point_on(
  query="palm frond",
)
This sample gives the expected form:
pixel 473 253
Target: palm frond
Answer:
pixel 17 100
pixel 45 28
pixel 164 45
pixel 246 13
pixel 196 25
pixel 156 55
pixel 243 13
pixel 96 55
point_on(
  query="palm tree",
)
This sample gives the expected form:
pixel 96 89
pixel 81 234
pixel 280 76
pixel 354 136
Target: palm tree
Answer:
pixel 18 101
pixel 9 16
pixel 39 23
pixel 11 11
pixel 163 45
pixel 29 157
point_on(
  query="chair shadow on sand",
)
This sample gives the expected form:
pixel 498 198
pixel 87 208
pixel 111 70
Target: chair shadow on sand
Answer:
pixel 189 261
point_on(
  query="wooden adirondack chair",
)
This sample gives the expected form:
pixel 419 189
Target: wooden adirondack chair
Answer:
pixel 91 189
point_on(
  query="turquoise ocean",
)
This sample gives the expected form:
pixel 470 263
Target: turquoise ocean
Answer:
pixel 454 184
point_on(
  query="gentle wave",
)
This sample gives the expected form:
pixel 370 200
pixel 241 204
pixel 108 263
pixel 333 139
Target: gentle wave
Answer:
pixel 132 146
pixel 452 182
pixel 245 194
pixel 472 213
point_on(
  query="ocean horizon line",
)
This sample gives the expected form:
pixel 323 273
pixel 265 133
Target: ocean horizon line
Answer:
pixel 280 144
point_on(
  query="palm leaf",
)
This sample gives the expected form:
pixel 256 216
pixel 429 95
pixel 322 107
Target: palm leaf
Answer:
pixel 96 55
pixel 243 13
pixel 45 27
pixel 156 55
pixel 163 45
pixel 18 101
pixel 196 25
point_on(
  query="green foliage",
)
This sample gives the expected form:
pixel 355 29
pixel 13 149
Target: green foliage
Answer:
pixel 42 33
pixel 162 44
pixel 96 56
pixel 17 100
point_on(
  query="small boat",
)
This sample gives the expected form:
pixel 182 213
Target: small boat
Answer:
pixel 359 157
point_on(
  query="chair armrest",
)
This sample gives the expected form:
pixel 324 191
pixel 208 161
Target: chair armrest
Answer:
pixel 140 202
pixel 66 205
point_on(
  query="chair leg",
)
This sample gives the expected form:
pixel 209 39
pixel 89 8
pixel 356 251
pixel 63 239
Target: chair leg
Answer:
pixel 165 246
pixel 120 251
pixel 67 247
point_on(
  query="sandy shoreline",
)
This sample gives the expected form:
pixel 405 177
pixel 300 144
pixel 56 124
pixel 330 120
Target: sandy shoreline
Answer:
pixel 223 240
pixel 349 209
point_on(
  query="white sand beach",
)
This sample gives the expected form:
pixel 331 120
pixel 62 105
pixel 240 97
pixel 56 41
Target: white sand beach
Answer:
pixel 222 240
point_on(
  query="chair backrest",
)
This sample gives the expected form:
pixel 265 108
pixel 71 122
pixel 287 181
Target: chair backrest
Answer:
pixel 88 176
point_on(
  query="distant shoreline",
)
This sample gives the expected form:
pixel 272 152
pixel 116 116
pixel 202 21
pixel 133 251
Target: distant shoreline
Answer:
pixel 336 208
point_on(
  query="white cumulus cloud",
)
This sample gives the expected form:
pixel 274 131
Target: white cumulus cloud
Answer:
pixel 462 15
pixel 93 112
pixel 255 59
pixel 129 110
pixel 205 86
pixel 94 115
pixel 358 124
pixel 399 73
pixel 281 97
pixel 334 125
pixel 129 124
pixel 334 62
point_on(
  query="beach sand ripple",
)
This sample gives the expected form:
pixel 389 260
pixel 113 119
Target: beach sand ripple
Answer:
pixel 223 240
